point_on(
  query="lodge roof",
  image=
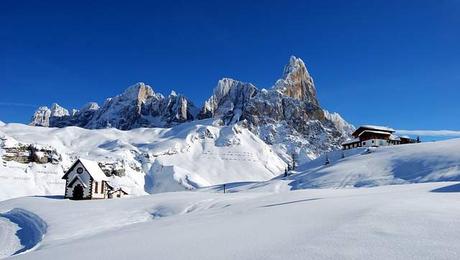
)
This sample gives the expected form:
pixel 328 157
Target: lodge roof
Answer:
pixel 362 128
pixel 374 132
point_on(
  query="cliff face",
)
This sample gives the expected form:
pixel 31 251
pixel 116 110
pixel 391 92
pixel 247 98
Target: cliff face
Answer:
pixel 287 116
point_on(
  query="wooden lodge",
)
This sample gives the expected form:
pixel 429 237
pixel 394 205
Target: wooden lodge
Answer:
pixel 374 136
pixel 86 180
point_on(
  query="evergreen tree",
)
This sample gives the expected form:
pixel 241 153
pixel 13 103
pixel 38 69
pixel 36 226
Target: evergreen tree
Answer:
pixel 327 160
pixel 294 157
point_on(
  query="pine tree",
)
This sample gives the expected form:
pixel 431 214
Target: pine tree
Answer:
pixel 294 157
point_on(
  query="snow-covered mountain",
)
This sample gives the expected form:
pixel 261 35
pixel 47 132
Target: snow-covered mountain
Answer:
pixel 138 106
pixel 287 116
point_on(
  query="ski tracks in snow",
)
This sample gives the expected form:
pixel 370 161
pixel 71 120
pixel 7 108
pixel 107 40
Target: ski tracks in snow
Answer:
pixel 29 231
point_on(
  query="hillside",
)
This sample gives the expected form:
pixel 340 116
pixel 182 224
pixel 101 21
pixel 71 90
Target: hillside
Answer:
pixel 401 164
pixel 144 160
pixel 411 163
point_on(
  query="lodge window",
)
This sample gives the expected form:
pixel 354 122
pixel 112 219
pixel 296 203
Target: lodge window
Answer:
pixel 364 143
pixel 95 187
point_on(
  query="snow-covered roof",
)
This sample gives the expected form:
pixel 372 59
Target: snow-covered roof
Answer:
pixel 362 128
pixel 119 189
pixel 93 169
pixel 354 140
pixel 374 132
pixel 378 127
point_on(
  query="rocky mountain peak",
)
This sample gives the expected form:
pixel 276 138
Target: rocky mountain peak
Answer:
pixel 90 106
pixel 297 82
pixel 58 111
pixel 139 91
pixel 228 100
pixel 41 116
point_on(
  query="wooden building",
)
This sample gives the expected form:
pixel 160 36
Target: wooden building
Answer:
pixel 374 136
pixel 117 193
pixel 86 180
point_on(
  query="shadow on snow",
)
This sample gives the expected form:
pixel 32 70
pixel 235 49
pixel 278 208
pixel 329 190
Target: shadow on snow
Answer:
pixel 31 228
pixel 450 188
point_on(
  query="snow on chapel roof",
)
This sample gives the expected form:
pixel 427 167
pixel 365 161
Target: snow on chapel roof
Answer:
pixel 92 167
pixel 378 127
pixel 94 170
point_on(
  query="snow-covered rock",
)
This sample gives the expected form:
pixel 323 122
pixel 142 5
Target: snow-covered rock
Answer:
pixel 339 122
pixel 41 117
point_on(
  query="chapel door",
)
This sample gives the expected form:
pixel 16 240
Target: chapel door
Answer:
pixel 77 192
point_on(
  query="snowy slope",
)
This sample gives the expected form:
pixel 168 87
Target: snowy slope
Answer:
pixel 402 164
pixel 416 221
pixel 187 156
pixel 411 163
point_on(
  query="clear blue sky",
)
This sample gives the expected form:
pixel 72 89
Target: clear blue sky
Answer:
pixel 393 63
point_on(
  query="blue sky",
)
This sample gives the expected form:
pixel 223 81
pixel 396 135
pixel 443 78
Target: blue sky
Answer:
pixel 392 63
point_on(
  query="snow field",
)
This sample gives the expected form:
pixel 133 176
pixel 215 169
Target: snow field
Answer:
pixel 388 222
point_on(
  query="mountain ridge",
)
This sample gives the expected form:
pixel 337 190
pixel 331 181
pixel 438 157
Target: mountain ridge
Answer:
pixel 288 114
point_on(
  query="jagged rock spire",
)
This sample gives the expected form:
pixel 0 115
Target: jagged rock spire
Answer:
pixel 297 82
